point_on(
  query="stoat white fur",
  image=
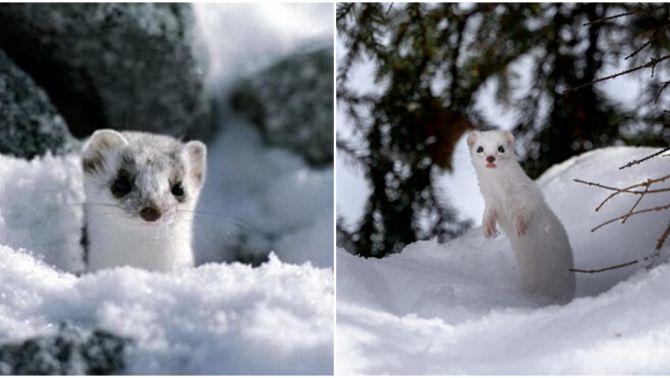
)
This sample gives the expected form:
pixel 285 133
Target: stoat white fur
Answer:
pixel 141 190
pixel 514 201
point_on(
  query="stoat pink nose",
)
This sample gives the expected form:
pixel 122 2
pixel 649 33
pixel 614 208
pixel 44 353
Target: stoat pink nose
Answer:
pixel 150 214
pixel 490 159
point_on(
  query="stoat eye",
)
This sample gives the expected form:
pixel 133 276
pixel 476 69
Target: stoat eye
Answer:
pixel 177 189
pixel 501 149
pixel 121 186
pixel 480 149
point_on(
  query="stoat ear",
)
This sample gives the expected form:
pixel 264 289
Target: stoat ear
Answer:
pixel 509 138
pixel 100 141
pixel 472 138
pixel 195 152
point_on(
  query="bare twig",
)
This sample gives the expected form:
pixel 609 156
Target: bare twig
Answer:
pixel 617 266
pixel 626 190
pixel 663 238
pixel 605 19
pixel 605 269
pixel 657 208
pixel 639 9
pixel 655 257
pixel 651 64
pixel 637 50
pixel 634 162
pixel 660 91
pixel 653 32
pixel 646 190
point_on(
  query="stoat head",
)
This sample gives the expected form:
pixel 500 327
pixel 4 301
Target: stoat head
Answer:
pixel 151 179
pixel 491 149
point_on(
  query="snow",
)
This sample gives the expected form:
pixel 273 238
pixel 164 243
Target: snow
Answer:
pixel 246 37
pixel 457 308
pixel 214 319
pixel 267 197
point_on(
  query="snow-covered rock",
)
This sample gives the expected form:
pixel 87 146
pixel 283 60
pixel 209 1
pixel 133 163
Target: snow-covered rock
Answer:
pixel 114 65
pixel 291 102
pixel 29 123
pixel 457 308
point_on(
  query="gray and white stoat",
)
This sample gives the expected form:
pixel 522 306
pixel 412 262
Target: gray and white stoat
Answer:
pixel 514 201
pixel 141 191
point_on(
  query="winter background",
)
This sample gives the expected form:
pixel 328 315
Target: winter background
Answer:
pixel 456 308
pixel 216 318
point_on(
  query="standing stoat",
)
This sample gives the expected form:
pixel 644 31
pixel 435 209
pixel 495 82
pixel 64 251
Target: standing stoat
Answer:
pixel 141 190
pixel 515 202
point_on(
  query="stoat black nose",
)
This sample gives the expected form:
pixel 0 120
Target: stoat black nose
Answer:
pixel 150 214
pixel 490 159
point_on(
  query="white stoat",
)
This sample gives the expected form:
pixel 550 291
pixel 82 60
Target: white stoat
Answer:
pixel 141 191
pixel 515 202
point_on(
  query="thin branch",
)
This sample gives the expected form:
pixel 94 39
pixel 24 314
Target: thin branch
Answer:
pixel 605 269
pixel 660 91
pixel 617 266
pixel 651 64
pixel 637 50
pixel 646 184
pixel 657 208
pixel 663 238
pixel 343 10
pixel 653 32
pixel 638 10
pixel 646 190
pixel 626 190
pixel 634 162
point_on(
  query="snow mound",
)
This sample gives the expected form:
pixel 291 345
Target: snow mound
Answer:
pixel 457 308
pixel 213 319
pixel 41 208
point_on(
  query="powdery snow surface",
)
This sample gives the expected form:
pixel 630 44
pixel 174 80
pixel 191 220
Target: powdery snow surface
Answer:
pixel 457 308
pixel 216 318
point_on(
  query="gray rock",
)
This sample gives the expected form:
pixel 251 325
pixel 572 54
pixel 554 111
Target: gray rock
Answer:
pixel 29 124
pixel 70 351
pixel 292 103
pixel 125 66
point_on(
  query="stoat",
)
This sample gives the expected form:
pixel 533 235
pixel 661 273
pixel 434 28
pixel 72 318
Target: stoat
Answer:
pixel 141 190
pixel 514 201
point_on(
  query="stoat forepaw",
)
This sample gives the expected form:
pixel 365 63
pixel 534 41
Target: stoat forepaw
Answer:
pixel 520 225
pixel 490 230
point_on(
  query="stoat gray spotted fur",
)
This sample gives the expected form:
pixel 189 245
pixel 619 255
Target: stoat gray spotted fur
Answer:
pixel 141 191
pixel 514 201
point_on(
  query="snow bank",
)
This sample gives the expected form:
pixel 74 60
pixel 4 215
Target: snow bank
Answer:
pixel 41 208
pixel 214 319
pixel 457 308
